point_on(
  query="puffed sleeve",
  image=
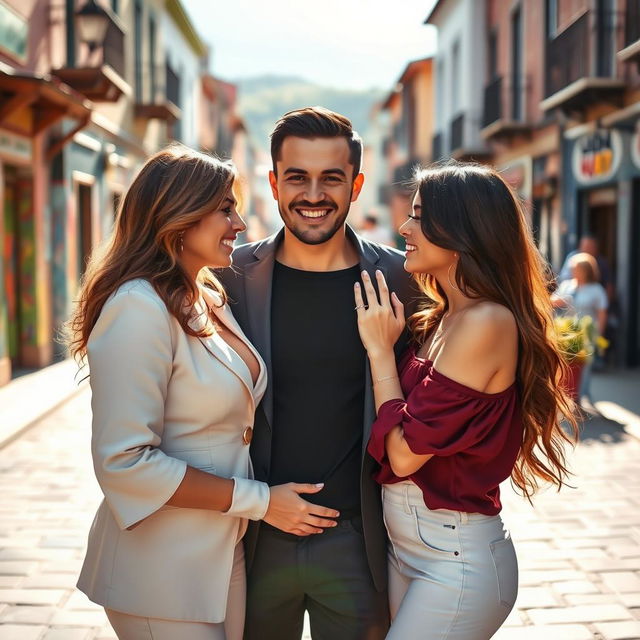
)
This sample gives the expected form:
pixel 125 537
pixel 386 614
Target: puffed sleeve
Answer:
pixel 442 417
pixel 130 359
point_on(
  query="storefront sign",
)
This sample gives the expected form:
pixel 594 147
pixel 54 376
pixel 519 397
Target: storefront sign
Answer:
pixel 14 32
pixel 15 146
pixel 596 156
pixel 635 147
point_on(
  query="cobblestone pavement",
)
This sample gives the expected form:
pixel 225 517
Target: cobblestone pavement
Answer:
pixel 579 551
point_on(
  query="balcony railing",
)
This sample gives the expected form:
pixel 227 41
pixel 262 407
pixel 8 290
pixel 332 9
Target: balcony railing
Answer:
pixel 568 56
pixel 437 147
pixel 492 111
pixel 457 132
pixel 580 65
pixel 100 74
pixel 505 107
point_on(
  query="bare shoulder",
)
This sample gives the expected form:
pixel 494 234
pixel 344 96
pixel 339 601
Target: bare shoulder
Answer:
pixel 483 343
pixel 488 321
pixel 486 330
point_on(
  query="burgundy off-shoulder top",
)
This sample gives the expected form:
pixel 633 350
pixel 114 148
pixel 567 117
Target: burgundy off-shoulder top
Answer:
pixel 474 437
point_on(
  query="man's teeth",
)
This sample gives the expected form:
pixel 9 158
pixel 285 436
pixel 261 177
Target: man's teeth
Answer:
pixel 228 243
pixel 308 213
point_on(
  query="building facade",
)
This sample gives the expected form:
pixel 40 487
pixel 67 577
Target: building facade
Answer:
pixel 407 145
pixel 459 78
pixel 83 103
pixel 592 82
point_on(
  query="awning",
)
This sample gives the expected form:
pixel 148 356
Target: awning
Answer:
pixel 48 99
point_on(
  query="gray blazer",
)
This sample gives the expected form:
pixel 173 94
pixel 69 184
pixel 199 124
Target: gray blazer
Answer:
pixel 248 284
pixel 162 400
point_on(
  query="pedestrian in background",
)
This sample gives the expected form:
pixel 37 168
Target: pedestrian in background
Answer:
pixel 473 402
pixel 371 229
pixel 583 295
pixel 588 244
pixel 174 384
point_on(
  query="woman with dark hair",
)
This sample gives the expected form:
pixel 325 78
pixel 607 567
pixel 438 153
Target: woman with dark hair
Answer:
pixel 475 401
pixel 174 385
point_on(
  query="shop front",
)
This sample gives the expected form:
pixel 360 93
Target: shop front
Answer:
pixel 601 198
pixel 30 106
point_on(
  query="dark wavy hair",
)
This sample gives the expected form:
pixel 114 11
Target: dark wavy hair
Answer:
pixel 174 189
pixel 470 209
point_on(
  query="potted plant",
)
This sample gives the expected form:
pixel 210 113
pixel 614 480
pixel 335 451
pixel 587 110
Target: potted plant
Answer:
pixel 572 337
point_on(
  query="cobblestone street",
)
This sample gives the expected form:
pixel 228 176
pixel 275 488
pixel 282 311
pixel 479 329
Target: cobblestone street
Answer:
pixel 579 551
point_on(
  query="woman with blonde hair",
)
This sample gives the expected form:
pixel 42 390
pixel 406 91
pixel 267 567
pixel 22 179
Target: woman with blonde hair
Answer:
pixel 475 401
pixel 582 296
pixel 174 385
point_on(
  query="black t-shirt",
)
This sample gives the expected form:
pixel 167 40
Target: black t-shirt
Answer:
pixel 318 379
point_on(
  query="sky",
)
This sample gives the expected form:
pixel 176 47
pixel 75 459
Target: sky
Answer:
pixel 347 44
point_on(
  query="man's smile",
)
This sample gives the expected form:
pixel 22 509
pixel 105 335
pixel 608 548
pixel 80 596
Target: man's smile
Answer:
pixel 313 213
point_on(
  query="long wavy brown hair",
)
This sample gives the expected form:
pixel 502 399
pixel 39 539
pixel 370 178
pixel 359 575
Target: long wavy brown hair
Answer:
pixel 470 209
pixel 173 190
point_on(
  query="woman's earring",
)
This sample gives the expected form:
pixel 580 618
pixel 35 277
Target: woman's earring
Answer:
pixel 453 286
pixel 181 238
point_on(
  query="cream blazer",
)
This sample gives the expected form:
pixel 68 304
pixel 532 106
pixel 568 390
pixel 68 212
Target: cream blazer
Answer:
pixel 162 400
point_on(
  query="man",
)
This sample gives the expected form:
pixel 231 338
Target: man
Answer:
pixel 293 295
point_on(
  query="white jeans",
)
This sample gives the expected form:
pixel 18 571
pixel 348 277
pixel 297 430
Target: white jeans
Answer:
pixel 131 627
pixel 452 575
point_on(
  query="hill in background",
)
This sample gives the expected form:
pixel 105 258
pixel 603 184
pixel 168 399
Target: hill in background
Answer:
pixel 263 99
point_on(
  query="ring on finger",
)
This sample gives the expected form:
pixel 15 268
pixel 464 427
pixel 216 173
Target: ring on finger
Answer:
pixel 360 306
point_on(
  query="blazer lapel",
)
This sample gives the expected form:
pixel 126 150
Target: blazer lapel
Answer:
pixel 220 350
pixel 258 284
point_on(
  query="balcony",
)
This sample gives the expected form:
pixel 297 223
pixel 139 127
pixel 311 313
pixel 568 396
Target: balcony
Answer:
pixel 497 122
pixel 631 50
pixel 461 147
pixel 101 75
pixel 579 70
pixel 159 106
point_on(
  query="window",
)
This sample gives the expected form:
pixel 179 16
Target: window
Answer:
pixel 152 59
pixel 492 51
pixel 516 65
pixel 552 19
pixel 455 78
pixel 71 33
pixel 440 84
pixel 138 50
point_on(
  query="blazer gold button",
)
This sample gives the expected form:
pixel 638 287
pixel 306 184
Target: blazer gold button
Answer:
pixel 247 434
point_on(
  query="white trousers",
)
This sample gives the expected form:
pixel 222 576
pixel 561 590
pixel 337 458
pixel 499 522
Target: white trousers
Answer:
pixel 452 575
pixel 131 627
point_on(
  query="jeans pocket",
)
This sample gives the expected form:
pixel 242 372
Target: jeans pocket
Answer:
pixel 506 566
pixel 434 538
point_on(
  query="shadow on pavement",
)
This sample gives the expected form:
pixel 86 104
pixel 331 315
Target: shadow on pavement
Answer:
pixel 596 427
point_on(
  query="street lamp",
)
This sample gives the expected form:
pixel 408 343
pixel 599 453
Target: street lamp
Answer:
pixel 92 21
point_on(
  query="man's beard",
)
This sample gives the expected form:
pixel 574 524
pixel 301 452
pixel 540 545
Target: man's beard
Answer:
pixel 307 236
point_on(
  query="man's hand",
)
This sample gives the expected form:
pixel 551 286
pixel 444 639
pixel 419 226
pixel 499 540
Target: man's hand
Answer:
pixel 290 513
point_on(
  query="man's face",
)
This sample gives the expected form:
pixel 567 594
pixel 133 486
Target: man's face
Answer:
pixel 314 186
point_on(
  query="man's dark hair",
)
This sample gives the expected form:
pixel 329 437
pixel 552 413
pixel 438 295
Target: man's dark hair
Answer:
pixel 316 122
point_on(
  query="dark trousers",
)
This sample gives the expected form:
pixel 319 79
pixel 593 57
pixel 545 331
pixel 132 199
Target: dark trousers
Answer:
pixel 326 574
